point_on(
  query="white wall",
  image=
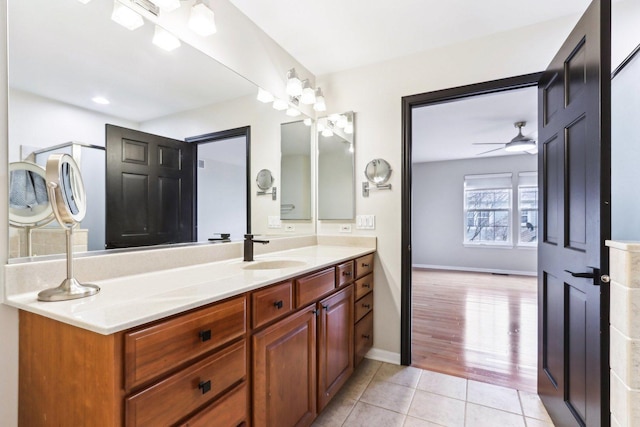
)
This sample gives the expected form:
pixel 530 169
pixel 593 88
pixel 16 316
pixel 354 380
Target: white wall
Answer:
pixel 438 217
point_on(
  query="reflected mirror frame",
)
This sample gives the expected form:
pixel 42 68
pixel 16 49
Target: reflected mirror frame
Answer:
pixel 352 144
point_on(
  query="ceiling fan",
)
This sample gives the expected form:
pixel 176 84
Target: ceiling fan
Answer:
pixel 519 143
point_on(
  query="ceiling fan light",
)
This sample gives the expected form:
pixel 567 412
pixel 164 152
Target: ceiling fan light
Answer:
pixel 202 20
pixel 165 40
pixel 520 146
pixel 126 17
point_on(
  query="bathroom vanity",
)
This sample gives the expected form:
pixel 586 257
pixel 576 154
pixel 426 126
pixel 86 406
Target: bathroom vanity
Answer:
pixel 266 347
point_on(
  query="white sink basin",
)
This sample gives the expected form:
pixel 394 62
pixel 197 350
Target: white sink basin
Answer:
pixel 274 264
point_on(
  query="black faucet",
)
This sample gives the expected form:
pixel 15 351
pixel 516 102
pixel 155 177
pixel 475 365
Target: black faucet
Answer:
pixel 248 246
pixel 224 237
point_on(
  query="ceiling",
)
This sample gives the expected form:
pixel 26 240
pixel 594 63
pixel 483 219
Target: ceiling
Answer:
pixel 333 35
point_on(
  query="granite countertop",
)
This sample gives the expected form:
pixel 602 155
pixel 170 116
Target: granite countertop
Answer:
pixel 130 301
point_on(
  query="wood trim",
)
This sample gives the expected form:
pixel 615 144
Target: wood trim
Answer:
pixel 408 103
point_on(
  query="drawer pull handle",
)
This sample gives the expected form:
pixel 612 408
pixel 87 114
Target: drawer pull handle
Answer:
pixel 366 337
pixel 366 305
pixel 346 273
pixel 278 304
pixel 366 285
pixel 205 386
pixel 366 265
pixel 205 335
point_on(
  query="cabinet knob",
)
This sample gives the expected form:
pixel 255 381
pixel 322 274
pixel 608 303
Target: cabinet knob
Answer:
pixel 205 335
pixel 278 304
pixel 366 265
pixel 205 386
pixel 366 305
pixel 366 337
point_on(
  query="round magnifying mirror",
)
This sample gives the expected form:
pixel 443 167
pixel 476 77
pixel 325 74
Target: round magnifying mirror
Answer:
pixel 264 179
pixel 28 199
pixel 378 171
pixel 67 189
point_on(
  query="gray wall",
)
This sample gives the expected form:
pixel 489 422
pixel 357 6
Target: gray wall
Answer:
pixel 438 217
pixel 625 153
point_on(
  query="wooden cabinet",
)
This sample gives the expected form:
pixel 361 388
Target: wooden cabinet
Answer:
pixel 335 344
pixel 284 371
pixel 273 357
pixel 363 334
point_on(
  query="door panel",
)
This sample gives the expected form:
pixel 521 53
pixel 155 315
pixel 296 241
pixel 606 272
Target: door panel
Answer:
pixel 149 189
pixel 574 128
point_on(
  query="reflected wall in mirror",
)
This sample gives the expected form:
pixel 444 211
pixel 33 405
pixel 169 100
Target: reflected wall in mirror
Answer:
pixel 176 94
pixel 336 180
pixel 295 171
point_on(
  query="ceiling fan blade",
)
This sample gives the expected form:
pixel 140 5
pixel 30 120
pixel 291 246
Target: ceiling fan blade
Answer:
pixel 490 151
pixel 487 143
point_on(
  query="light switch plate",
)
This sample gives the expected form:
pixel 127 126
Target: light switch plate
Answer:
pixel 274 222
pixel 366 222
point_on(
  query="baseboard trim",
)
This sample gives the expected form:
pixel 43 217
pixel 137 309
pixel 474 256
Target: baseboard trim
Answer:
pixel 383 356
pixel 476 270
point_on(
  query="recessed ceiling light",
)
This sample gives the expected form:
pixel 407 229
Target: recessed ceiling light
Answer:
pixel 100 100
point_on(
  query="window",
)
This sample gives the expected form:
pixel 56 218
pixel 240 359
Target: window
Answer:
pixel 487 202
pixel 528 208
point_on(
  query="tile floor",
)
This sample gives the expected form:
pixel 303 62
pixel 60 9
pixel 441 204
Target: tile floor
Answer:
pixel 385 395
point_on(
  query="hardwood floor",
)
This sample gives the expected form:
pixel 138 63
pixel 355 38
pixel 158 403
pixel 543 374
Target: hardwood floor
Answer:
pixel 478 326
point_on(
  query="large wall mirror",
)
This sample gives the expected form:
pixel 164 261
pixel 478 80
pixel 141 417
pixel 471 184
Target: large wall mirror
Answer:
pixel 68 59
pixel 295 171
pixel 336 175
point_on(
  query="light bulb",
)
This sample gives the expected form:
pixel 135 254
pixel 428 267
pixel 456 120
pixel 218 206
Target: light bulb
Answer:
pixel 342 121
pixel 294 84
pixel 292 112
pixel 280 104
pixel 327 133
pixel 264 96
pixel 100 100
pixel 308 94
pixel 308 122
pixel 126 17
pixel 319 104
pixel 165 40
pixel 202 20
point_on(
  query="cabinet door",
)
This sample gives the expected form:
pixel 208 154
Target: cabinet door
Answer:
pixel 284 372
pixel 335 344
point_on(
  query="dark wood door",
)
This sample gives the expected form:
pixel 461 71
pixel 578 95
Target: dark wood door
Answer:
pixel 335 344
pixel 574 138
pixel 284 372
pixel 149 189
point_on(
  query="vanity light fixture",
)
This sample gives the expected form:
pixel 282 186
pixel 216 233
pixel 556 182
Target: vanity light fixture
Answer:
pixel 348 129
pixel 292 112
pixel 264 96
pixel 165 40
pixel 319 104
pixel 126 17
pixel 280 104
pixel 294 84
pixel 166 5
pixel 308 122
pixel 202 20
pixel 308 96
pixel 341 122
pixel 327 132
pixel 100 100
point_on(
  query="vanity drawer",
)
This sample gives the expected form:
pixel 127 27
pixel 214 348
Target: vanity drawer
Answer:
pixel 157 349
pixel 364 285
pixel 314 286
pixel 344 273
pixel 231 410
pixel 271 303
pixel 364 265
pixel 364 337
pixel 171 399
pixel 364 306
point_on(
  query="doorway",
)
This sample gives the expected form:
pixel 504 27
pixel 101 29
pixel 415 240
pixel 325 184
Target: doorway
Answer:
pixel 409 105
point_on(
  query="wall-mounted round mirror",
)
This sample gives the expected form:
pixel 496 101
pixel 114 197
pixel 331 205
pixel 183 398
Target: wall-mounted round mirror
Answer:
pixel 264 179
pixel 28 199
pixel 69 205
pixel 378 171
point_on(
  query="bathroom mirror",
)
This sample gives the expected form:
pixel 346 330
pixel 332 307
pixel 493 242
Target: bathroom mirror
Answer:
pixel 264 179
pixel 336 177
pixel 28 199
pixel 180 94
pixel 295 171
pixel 378 171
